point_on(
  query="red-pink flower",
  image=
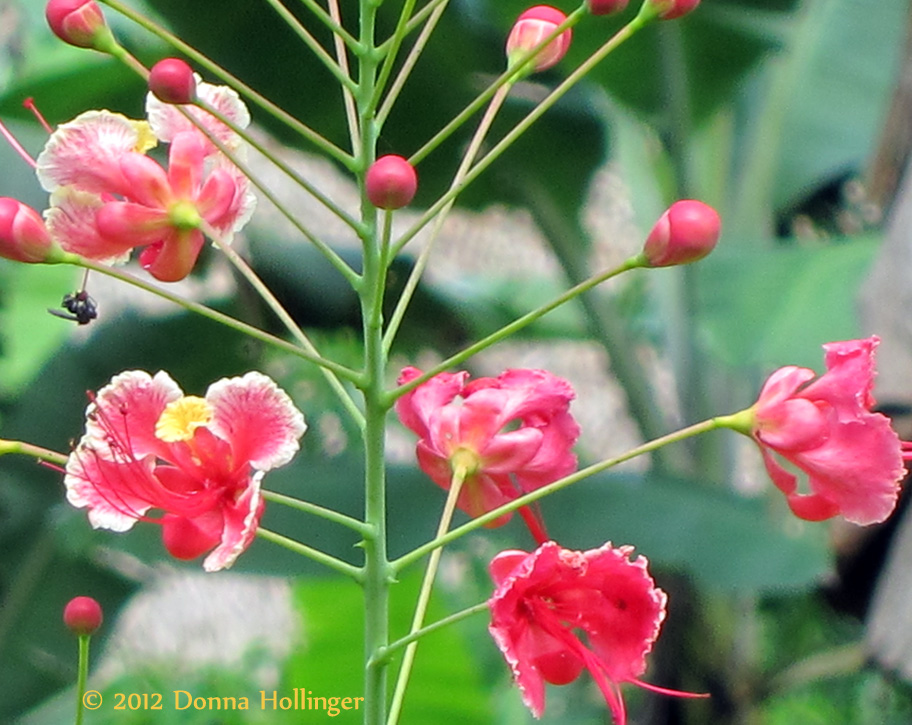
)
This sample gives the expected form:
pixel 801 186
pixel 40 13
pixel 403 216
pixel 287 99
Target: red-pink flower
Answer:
pixel 199 461
pixel 852 457
pixel 542 602
pixel 511 434
pixel 108 197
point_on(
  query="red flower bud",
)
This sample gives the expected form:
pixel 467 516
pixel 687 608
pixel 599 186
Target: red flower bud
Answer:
pixel 82 615
pixel 671 9
pixel 77 22
pixel 686 232
pixel 606 7
pixel 172 81
pixel 391 182
pixel 530 29
pixel 23 236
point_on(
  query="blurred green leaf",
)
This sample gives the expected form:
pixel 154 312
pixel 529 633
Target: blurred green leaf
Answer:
pixel 776 306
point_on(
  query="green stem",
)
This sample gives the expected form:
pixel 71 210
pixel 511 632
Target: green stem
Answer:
pixel 413 23
pixel 320 557
pixel 348 97
pixel 242 327
pixel 27 449
pixel 424 596
pixel 266 105
pixel 82 676
pixel 311 42
pixel 322 512
pixel 392 51
pixel 518 324
pixel 377 576
pixel 415 275
pixel 439 624
pixel 728 421
pixel 622 35
pixel 511 74
pixel 350 275
pixel 269 298
pixel 332 21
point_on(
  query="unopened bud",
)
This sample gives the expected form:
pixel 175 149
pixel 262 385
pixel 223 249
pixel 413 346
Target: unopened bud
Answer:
pixel 686 232
pixel 391 182
pixel 606 7
pixel 23 235
pixel 172 81
pixel 78 22
pixel 530 29
pixel 82 615
pixel 671 9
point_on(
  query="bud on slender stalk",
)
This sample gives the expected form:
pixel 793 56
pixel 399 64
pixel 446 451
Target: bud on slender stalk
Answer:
pixel 79 22
pixel 530 29
pixel 391 182
pixel 172 81
pixel 82 615
pixel 686 232
pixel 23 235
pixel 606 7
pixel 671 9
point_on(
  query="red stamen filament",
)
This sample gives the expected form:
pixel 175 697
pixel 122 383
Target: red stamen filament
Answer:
pixel 29 103
pixel 17 147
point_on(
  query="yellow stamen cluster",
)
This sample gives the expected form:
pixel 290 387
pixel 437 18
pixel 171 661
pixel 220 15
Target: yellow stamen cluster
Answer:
pixel 181 418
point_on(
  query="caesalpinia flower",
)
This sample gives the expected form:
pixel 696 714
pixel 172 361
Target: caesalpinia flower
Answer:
pixel 542 602
pixel 199 461
pixel 825 427
pixel 511 434
pixel 108 197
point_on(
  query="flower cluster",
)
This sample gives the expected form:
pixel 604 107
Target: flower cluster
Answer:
pixel 107 196
pixel 198 460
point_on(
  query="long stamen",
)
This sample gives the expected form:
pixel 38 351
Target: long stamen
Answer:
pixel 17 147
pixel 29 103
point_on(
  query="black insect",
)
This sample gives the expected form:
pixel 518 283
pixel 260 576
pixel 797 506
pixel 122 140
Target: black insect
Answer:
pixel 80 308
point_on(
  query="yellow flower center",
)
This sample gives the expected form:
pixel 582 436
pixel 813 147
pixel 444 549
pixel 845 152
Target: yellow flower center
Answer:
pixel 181 418
pixel 145 139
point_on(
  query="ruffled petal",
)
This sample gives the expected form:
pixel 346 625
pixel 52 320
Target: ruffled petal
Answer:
pixel 240 526
pixel 416 407
pixel 71 222
pixel 86 153
pixel 121 420
pixel 125 224
pixel 173 257
pixel 257 418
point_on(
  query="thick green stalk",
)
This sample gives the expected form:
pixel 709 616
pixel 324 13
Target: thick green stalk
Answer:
pixel 82 675
pixel 377 576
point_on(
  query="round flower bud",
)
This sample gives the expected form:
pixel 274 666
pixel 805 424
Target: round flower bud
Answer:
pixel 82 615
pixel 391 182
pixel 77 22
pixel 171 81
pixel 671 9
pixel 606 7
pixel 23 235
pixel 686 232
pixel 530 29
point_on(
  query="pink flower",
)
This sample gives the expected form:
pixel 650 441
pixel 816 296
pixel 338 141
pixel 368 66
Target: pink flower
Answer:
pixel 391 182
pixel 108 197
pixel 171 80
pixel 852 457
pixel 197 460
pixel 512 434
pixel 544 598
pixel 77 22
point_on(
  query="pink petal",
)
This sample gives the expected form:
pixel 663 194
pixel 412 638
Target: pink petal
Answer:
pixel 124 223
pixel 173 257
pixel 167 120
pixel 122 419
pixel 781 385
pixel 257 418
pixel 186 539
pixel 106 488
pixel 86 153
pixel 509 452
pixel 416 407
pixel 793 424
pixel 505 563
pixel 241 522
pixel 185 163
pixel 71 223
pixel 148 182
pixel 216 200
pixel 849 378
